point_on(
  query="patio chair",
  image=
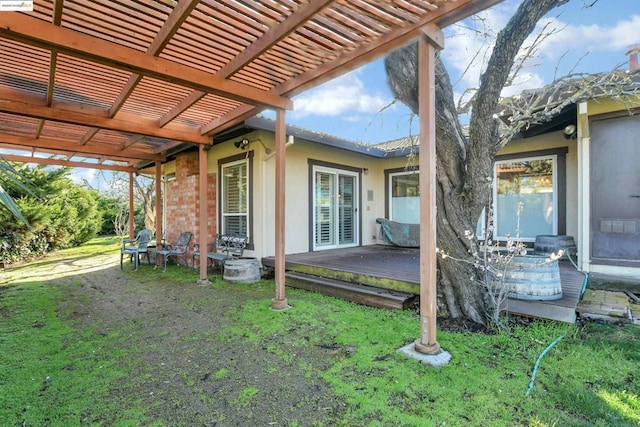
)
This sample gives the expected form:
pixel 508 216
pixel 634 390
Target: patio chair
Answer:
pixel 177 249
pixel 136 247
pixel 224 247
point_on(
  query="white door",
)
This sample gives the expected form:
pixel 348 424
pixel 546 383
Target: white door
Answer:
pixel 335 210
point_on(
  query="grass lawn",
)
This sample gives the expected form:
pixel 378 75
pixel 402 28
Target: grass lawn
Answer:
pixel 61 364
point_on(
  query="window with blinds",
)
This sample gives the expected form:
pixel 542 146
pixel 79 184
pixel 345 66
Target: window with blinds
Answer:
pixel 335 208
pixel 235 198
pixel 346 209
pixel 324 212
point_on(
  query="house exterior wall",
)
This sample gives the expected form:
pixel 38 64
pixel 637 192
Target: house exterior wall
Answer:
pixel 181 210
pixel 181 192
pixel 297 199
pixel 586 112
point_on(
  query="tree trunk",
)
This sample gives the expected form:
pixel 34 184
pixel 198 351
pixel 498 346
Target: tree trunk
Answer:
pixel 147 194
pixel 464 165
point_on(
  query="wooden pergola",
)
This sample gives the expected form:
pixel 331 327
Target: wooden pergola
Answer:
pixel 117 84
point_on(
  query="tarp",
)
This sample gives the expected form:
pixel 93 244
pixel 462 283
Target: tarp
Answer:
pixel 400 234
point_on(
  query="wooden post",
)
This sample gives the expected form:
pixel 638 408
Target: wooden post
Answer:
pixel 158 204
pixel 427 343
pixel 131 207
pixel 280 300
pixel 204 203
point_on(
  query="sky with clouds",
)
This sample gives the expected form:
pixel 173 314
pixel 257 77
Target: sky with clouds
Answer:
pixel 587 36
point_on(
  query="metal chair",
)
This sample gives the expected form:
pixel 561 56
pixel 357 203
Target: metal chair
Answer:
pixel 226 246
pixel 177 249
pixel 135 247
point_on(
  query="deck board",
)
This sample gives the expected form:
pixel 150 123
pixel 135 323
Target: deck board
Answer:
pixel 403 264
pixel 379 260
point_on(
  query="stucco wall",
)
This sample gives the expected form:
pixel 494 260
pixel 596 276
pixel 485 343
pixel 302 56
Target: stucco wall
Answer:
pixel 298 233
pixel 182 201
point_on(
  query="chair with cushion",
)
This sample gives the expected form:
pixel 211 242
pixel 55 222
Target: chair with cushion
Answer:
pixel 135 247
pixel 177 249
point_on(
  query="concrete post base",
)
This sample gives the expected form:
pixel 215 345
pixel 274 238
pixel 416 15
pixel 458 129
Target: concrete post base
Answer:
pixel 279 304
pixel 430 349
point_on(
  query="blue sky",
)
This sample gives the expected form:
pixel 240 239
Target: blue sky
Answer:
pixel 586 39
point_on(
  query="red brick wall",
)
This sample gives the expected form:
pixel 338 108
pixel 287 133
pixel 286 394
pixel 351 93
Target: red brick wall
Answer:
pixel 182 203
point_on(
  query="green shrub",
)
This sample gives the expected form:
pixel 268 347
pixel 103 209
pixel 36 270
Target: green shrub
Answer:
pixel 61 214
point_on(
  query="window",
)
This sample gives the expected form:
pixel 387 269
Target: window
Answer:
pixel 405 197
pixel 235 198
pixel 531 182
pixel 335 207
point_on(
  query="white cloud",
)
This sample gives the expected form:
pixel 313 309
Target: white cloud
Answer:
pixel 468 46
pixel 346 95
pixel 79 175
pixel 591 38
pixel 523 81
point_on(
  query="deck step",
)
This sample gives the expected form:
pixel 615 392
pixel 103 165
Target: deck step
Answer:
pixel 540 309
pixel 361 294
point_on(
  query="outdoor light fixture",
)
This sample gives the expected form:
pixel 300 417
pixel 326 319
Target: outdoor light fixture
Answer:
pixel 242 144
pixel 570 132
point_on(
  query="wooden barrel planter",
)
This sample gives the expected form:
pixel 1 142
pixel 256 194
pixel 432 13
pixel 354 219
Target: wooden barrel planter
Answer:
pixel 548 244
pixel 241 270
pixel 530 277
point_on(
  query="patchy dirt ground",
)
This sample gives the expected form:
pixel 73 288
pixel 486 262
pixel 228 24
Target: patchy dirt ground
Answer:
pixel 187 370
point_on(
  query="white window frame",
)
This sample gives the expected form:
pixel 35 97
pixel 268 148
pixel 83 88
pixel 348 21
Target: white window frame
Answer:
pixel 356 199
pixel 390 192
pixel 223 196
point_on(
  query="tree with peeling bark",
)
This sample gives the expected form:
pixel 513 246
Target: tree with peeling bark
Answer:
pixel 464 164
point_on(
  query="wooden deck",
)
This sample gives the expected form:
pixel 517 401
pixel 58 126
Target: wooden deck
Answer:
pixel 397 271
pixel 382 266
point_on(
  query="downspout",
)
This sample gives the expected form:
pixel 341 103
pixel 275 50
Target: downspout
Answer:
pixel 131 207
pixel 158 205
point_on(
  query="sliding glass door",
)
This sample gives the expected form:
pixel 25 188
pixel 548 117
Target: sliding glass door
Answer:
pixel 335 212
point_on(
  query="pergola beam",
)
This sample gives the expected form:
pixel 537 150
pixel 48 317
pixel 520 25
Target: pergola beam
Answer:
pixel 67 163
pixel 78 117
pixel 260 46
pixel 179 14
pixel 393 40
pixel 275 34
pixel 50 144
pixel 32 31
